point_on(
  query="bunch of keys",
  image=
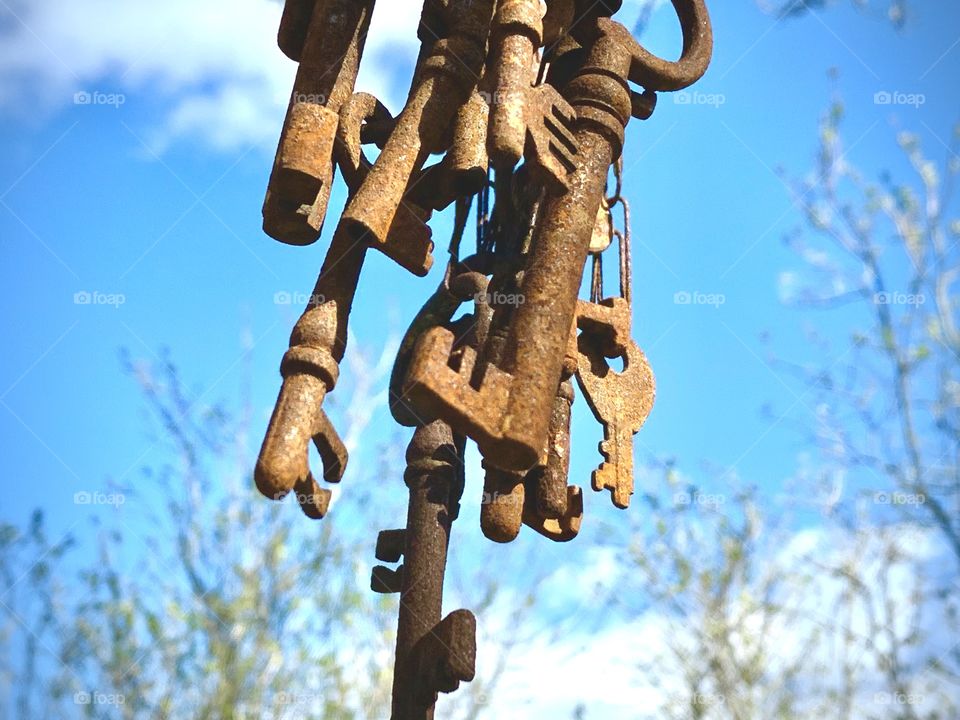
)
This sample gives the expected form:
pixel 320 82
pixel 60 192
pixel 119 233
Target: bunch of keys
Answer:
pixel 526 101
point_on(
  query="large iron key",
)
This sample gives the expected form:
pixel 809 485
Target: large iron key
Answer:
pixel 507 409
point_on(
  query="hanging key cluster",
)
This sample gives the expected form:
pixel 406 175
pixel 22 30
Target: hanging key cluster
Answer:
pixel 525 104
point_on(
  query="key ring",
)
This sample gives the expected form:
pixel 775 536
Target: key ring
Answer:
pixel 654 73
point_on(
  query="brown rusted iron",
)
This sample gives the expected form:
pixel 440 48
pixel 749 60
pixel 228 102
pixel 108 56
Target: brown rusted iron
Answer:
pixel 561 529
pixel 621 403
pixel 550 478
pixel 433 655
pixel 507 410
pixel 329 54
pixel 310 367
pixel 517 32
pixel 541 93
pixel 457 36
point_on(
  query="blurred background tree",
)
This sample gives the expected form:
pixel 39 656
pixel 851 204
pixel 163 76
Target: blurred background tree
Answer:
pixel 830 601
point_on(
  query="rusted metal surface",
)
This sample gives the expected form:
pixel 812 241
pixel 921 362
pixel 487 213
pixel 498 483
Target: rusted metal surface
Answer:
pixel 527 102
pixel 433 655
pixel 326 38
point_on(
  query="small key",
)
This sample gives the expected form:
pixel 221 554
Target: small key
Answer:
pixel 621 402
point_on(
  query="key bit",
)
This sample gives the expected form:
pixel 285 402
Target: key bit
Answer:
pixel 621 402
pixel 313 499
pixel 564 528
pixel 386 581
pixel 390 545
pixel 609 321
pixel 447 655
pixel 436 312
pixel 438 389
pixel 551 143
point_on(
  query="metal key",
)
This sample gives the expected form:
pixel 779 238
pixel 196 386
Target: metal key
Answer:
pixel 621 403
pixel 310 368
pixel 445 79
pixel 535 123
pixel 507 409
pixel 327 39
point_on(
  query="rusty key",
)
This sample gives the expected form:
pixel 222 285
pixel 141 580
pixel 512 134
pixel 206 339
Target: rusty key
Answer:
pixel 329 56
pixel 445 79
pixel 621 402
pixel 516 33
pixel 564 528
pixel 310 367
pixel 550 479
pixel 506 410
pixel 534 123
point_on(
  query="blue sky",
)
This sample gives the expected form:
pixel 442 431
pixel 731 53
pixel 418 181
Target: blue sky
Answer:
pixel 150 200
pixel 156 200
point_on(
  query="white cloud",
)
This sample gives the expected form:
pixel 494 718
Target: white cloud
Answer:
pixel 601 666
pixel 208 71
